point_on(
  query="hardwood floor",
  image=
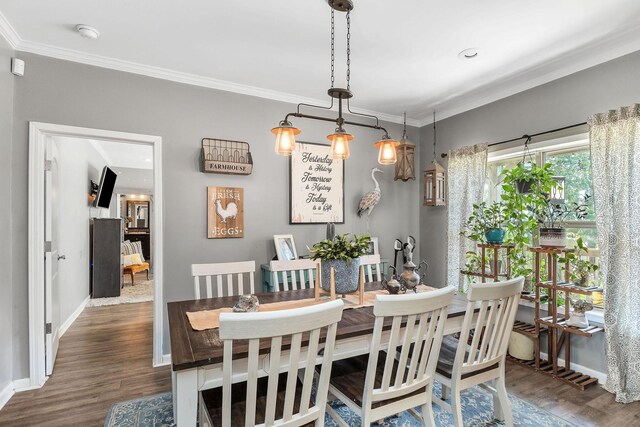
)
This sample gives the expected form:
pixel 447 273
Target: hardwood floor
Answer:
pixel 105 357
pixel 592 407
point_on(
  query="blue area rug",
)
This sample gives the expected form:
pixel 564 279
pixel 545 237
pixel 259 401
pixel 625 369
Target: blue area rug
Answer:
pixel 477 410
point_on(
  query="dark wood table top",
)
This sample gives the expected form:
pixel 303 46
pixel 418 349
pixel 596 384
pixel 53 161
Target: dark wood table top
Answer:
pixel 190 349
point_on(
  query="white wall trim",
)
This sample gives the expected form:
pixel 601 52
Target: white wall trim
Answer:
pixel 6 393
pixel 67 323
pixel 601 376
pixel 38 132
pixel 23 384
pixel 166 360
pixel 9 33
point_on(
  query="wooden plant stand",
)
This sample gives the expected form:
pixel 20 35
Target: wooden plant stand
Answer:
pixel 558 332
pixel 332 289
pixel 495 275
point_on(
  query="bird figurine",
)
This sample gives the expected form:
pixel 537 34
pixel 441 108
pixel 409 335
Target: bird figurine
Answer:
pixel 371 199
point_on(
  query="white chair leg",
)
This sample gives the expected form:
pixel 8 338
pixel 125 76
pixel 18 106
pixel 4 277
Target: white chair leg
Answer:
pixel 427 412
pixel 456 408
pixel 445 392
pixel 502 406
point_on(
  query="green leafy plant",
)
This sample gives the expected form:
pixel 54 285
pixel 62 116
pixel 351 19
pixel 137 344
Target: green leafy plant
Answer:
pixel 484 218
pixel 341 247
pixel 521 224
pixel 580 268
pixel 553 215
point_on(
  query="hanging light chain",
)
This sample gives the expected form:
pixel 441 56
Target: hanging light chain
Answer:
pixel 404 127
pixel 434 135
pixel 333 56
pixel 348 49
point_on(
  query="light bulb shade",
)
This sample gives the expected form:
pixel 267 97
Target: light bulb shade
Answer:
pixel 340 144
pixel 285 138
pixel 387 151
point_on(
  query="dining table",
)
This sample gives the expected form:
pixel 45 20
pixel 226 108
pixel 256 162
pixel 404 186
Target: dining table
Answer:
pixel 197 355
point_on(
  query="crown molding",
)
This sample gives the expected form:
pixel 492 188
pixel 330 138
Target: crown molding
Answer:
pixel 621 44
pixel 9 33
pixel 185 78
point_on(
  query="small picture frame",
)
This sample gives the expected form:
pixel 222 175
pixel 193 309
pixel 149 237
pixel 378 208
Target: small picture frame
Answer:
pixel 373 247
pixel 285 247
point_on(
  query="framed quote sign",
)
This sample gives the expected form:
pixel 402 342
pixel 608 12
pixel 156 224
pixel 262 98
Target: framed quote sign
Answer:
pixel 316 185
pixel 225 212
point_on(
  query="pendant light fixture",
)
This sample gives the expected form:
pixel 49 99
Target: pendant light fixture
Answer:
pixel 435 179
pixel 406 165
pixel 285 132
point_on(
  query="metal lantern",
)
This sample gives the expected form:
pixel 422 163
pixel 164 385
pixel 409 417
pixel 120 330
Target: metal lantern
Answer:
pixel 435 179
pixel 406 164
pixel 435 185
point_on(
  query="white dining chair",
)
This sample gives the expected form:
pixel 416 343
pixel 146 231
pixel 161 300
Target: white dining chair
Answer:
pixel 368 262
pixel 293 274
pixel 230 272
pixel 461 366
pixel 283 396
pixel 378 385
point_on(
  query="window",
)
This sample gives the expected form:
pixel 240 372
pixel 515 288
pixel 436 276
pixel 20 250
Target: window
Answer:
pixel 570 159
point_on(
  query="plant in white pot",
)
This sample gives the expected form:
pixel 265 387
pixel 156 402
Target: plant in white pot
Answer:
pixel 341 253
pixel 551 218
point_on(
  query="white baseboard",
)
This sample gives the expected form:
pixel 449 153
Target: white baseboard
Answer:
pixel 24 384
pixel 166 360
pixel 601 376
pixel 5 394
pixel 67 323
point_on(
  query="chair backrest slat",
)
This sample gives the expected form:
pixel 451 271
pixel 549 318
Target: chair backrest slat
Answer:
pixel 424 315
pixel 368 262
pixel 284 274
pixel 275 326
pixel 495 318
pixel 216 271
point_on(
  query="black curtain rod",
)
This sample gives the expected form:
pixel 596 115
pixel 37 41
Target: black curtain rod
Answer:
pixel 526 137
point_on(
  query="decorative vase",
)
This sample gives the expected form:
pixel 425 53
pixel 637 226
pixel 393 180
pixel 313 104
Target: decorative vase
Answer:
pixel 495 236
pixel 528 285
pixel 583 279
pixel 347 275
pixel 553 237
pixel 578 320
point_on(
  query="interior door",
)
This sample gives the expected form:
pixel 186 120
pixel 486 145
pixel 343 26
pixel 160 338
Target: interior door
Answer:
pixel 52 256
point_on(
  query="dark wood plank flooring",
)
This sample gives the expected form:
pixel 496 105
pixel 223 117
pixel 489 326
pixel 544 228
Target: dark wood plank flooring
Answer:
pixel 105 357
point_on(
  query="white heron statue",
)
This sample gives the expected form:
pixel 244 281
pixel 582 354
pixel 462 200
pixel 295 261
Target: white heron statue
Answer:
pixel 371 199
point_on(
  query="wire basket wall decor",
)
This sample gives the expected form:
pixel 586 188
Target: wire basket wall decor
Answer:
pixel 225 156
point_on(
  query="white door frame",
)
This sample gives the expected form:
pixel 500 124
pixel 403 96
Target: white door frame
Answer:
pixel 38 132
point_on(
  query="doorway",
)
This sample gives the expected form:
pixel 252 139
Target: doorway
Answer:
pixel 41 245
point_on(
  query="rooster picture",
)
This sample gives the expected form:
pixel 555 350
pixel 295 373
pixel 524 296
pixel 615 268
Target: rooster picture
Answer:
pixel 229 212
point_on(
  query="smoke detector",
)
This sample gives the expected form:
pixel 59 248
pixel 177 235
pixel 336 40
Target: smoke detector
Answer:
pixel 87 32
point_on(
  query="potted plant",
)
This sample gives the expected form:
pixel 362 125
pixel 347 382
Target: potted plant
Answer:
pixel 485 223
pixel 343 255
pixel 581 268
pixel 551 216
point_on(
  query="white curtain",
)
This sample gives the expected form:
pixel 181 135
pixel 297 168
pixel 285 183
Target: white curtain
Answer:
pixel 615 163
pixel 466 173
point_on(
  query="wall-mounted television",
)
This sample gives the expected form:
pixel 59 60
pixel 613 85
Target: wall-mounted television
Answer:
pixel 105 189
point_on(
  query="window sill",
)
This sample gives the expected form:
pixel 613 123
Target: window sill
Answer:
pixel 596 315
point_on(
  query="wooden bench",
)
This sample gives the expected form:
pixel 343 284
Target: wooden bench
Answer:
pixel 136 268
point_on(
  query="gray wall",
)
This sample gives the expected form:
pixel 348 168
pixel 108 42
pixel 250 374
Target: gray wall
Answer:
pixel 67 93
pixel 563 102
pixel 6 284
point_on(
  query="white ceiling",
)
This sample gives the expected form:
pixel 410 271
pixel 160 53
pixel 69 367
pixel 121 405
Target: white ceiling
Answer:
pixel 132 162
pixel 404 53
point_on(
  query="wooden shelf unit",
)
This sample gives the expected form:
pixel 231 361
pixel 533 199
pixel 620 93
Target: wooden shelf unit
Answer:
pixel 495 273
pixel 558 332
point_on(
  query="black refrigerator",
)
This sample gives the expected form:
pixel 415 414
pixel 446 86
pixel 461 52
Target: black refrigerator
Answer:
pixel 105 270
